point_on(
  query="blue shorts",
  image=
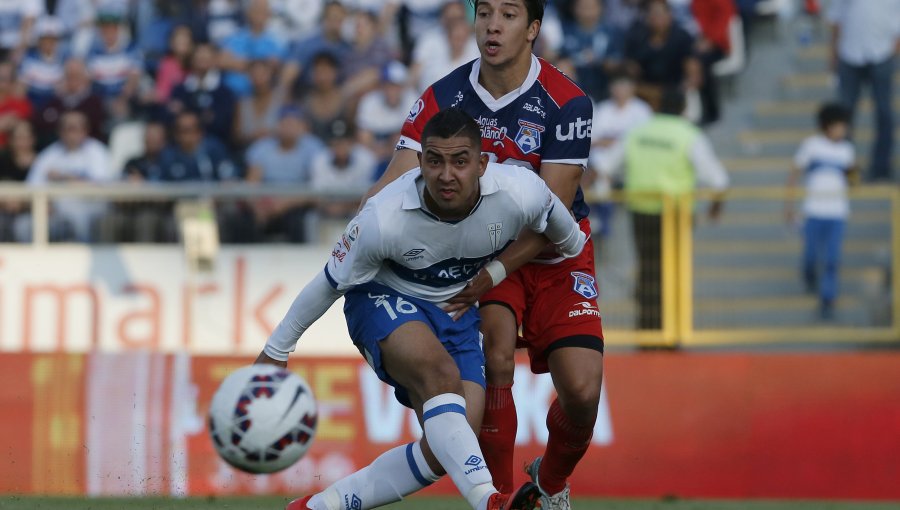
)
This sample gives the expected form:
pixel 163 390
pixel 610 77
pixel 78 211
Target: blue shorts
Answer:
pixel 374 311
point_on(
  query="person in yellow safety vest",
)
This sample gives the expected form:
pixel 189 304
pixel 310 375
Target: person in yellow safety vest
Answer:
pixel 666 156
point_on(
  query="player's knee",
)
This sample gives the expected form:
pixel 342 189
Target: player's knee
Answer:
pixel 439 378
pixel 580 399
pixel 499 367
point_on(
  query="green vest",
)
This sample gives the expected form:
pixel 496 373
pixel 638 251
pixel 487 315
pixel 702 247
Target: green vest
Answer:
pixel 657 159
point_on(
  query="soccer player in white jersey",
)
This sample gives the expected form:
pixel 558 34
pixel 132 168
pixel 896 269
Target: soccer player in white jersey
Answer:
pixel 412 247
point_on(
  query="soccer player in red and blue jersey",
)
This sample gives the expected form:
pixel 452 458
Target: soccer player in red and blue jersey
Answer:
pixel 534 116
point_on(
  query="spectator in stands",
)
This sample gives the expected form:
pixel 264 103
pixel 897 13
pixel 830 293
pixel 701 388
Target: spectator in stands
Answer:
pixel 713 44
pixel 115 65
pixel 294 20
pixel 17 19
pixel 285 158
pixel 77 17
pixel 194 156
pixel 865 42
pixel 15 162
pixel 13 107
pixel 223 19
pixel 143 222
pixel 324 103
pixel 591 49
pixel 383 111
pixel 149 166
pixel 42 67
pixel 444 47
pixel 827 161
pixel 253 42
pixel 76 157
pixel 203 91
pixel 329 38
pixel 75 93
pixel 257 114
pixel 660 54
pixel 346 166
pixel 622 14
pixel 666 156
pixel 419 16
pixel 613 120
pixel 369 53
pixel 175 65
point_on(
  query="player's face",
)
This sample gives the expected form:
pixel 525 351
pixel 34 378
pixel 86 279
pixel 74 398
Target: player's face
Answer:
pixel 451 168
pixel 502 31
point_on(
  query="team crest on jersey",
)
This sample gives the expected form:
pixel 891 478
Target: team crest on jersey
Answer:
pixel 495 230
pixel 584 284
pixel 529 137
pixel 416 110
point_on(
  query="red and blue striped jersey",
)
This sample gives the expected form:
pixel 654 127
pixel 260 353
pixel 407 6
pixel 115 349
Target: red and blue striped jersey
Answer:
pixel 546 120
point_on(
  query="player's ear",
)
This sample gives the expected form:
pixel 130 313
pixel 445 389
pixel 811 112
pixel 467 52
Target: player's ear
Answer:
pixel 534 29
pixel 483 163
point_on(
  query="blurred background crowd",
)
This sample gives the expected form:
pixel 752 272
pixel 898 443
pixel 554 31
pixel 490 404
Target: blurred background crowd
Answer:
pixel 303 93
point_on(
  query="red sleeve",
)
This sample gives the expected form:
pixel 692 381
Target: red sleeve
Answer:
pixel 411 134
pixel 714 16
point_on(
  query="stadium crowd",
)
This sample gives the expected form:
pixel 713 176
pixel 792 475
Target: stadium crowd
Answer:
pixel 302 93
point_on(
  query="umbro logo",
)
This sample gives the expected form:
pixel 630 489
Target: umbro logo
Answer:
pixel 473 460
pixel 414 252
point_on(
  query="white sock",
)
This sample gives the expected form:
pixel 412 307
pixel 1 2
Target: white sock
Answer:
pixel 456 447
pixel 393 475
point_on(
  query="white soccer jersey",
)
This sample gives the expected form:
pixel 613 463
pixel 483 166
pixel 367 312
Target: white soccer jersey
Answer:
pixel 397 242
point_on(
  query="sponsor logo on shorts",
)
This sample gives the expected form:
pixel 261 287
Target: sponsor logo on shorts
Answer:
pixel 584 284
pixel 586 309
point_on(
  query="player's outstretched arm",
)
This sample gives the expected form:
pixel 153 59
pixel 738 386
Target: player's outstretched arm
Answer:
pixel 403 161
pixel 310 304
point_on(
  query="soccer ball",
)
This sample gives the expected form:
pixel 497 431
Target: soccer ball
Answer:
pixel 262 418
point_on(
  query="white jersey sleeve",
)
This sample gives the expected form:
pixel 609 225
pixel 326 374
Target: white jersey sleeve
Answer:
pixel 355 259
pixel 358 254
pixel 547 215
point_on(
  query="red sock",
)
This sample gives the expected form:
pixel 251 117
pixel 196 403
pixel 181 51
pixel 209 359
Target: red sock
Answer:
pixel 565 447
pixel 498 435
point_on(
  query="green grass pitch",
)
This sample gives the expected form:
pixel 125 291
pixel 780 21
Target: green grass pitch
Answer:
pixel 422 503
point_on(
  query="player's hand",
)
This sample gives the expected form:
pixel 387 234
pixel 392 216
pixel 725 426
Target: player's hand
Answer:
pixel 264 359
pixel 459 304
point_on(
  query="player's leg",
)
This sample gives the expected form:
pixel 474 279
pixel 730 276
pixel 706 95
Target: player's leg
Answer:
pixel 419 362
pixel 565 336
pixel 501 310
pixel 577 375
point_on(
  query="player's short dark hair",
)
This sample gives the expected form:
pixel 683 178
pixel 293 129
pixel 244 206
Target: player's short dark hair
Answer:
pixel 832 113
pixel 449 123
pixel 535 9
pixel 672 101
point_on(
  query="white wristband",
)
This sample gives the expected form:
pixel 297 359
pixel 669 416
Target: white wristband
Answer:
pixel 497 270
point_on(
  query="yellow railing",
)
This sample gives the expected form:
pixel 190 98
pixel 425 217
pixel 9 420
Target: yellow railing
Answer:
pixel 688 319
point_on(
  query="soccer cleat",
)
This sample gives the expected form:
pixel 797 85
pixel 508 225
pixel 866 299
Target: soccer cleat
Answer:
pixel 558 501
pixel 523 498
pixel 299 504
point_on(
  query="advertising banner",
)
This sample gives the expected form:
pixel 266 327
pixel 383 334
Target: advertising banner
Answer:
pixel 686 425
